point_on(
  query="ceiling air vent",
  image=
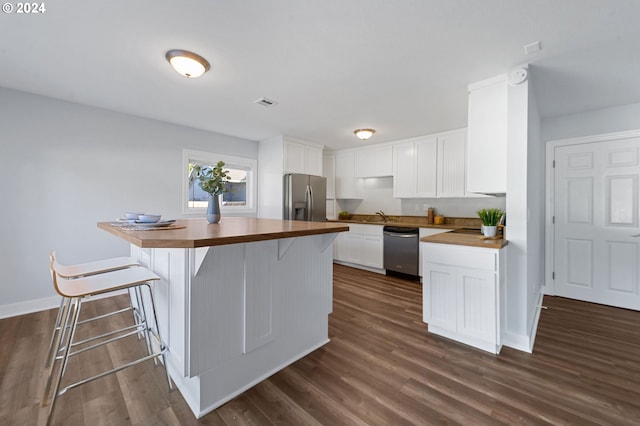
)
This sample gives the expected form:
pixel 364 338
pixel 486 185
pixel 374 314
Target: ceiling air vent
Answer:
pixel 265 102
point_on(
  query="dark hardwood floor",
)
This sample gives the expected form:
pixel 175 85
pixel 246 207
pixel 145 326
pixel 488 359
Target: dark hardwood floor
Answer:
pixel 380 368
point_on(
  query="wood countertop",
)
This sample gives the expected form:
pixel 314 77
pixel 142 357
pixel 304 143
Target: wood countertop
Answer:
pixel 473 240
pixel 192 233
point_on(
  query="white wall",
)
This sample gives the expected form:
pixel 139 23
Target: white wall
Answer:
pixel 65 167
pixel 517 212
pixel 378 195
pixel 536 207
pixel 589 123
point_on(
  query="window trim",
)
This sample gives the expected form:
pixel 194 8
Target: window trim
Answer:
pixel 230 160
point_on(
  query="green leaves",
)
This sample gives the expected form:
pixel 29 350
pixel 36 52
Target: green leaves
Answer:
pixel 212 179
pixel 490 217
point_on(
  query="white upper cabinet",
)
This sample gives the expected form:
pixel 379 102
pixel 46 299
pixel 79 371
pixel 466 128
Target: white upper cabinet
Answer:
pixel 329 171
pixel 487 136
pixel 347 185
pixel 414 168
pixel 373 162
pixel 451 165
pixel 426 167
pixel 278 156
pixel 404 170
pixel 431 167
pixel 301 158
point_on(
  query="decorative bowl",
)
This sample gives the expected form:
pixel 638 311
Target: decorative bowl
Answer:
pixel 132 216
pixel 149 218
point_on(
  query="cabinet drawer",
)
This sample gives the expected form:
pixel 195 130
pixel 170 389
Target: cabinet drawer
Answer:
pixel 467 257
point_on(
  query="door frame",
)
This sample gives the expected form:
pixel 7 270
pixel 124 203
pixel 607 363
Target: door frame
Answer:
pixel 549 262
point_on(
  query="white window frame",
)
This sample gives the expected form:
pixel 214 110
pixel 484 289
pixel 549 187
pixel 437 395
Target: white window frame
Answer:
pixel 230 161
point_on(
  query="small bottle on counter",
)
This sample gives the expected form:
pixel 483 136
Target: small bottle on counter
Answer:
pixel 430 215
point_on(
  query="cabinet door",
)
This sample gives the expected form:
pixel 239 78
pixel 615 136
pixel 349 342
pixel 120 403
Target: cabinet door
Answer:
pixel 354 248
pixel 347 186
pixel 487 137
pixel 439 296
pixel 313 160
pixel 374 162
pixel 294 158
pixel 404 170
pixel 477 304
pixel 340 247
pixel 372 251
pixel 329 171
pixel 451 165
pixel 426 168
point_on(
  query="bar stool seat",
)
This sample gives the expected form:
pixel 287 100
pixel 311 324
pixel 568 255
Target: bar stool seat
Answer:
pixel 82 270
pixel 95 267
pixel 75 291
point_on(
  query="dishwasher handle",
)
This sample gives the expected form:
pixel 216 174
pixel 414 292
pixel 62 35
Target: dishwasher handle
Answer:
pixel 393 234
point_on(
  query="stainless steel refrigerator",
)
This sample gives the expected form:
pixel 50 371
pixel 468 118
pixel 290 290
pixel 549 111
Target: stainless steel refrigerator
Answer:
pixel 305 197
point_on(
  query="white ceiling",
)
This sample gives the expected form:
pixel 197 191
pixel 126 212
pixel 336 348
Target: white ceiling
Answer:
pixel 399 66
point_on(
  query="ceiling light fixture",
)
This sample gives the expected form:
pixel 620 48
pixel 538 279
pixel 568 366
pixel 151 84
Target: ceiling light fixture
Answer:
pixel 189 64
pixel 364 134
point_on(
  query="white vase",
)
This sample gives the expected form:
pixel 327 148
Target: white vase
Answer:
pixel 489 231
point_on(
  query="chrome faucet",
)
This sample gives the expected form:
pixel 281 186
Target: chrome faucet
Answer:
pixel 384 216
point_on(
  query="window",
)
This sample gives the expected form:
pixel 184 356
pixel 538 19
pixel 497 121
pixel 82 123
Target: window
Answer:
pixel 241 189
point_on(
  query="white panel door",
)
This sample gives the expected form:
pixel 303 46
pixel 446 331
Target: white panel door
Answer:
pixel 596 243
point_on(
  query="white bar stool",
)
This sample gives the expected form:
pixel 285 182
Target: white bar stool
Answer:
pixel 83 270
pixel 78 289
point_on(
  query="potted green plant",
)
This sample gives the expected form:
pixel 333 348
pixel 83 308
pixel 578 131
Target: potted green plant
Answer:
pixel 490 219
pixel 212 180
pixel 344 215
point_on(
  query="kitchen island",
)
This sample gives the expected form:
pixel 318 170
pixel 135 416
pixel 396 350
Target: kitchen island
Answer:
pixel 237 301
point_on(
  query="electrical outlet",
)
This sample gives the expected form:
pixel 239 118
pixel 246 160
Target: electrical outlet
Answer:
pixel 425 207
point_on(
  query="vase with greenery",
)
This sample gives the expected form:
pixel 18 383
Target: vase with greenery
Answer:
pixel 212 180
pixel 490 219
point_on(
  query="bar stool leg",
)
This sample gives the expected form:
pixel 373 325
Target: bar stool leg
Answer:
pixel 65 357
pixel 67 307
pixel 161 342
pixel 57 329
pixel 134 309
pixel 145 321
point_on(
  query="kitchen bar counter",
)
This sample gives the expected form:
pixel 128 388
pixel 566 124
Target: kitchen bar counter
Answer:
pixel 237 301
pixel 472 240
pixel 412 221
pixel 193 233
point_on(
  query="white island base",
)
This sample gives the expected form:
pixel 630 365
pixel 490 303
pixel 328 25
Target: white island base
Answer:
pixel 232 315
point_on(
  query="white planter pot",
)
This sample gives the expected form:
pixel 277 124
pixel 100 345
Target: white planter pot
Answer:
pixel 489 231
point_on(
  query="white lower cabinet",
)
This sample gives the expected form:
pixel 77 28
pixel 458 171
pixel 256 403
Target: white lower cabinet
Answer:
pixel 361 246
pixel 463 289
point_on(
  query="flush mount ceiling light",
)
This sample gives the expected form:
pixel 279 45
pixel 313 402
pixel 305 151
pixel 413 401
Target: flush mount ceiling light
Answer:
pixel 364 134
pixel 189 64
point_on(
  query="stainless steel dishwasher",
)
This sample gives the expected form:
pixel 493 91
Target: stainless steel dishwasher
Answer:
pixel 401 249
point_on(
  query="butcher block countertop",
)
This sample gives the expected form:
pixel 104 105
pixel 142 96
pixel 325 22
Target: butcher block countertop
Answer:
pixel 473 240
pixel 193 233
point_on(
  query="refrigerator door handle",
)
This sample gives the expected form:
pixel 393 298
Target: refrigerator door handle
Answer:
pixel 309 196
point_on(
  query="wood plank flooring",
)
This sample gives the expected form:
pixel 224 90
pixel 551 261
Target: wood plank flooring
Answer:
pixel 380 368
